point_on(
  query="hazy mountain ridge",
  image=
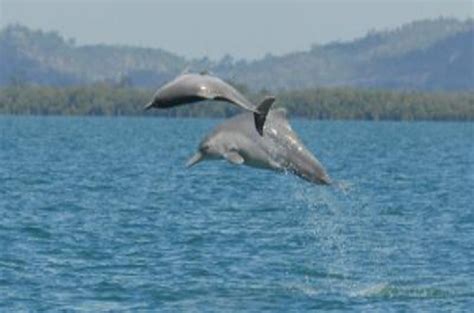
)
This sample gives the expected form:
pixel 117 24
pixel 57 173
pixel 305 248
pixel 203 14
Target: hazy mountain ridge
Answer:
pixel 47 58
pixel 447 64
pixel 425 55
pixel 375 60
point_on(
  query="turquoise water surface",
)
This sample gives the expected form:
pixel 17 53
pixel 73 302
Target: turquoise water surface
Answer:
pixel 100 214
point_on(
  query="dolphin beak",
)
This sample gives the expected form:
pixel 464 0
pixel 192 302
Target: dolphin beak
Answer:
pixel 148 106
pixel 198 157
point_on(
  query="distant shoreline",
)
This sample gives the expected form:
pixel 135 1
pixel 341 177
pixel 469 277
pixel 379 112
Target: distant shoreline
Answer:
pixel 292 117
pixel 339 103
pixel 301 118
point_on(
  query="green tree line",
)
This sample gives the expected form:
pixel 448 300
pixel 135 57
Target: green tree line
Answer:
pixel 317 103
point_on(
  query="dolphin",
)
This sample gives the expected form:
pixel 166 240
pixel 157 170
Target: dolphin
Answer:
pixel 279 149
pixel 189 88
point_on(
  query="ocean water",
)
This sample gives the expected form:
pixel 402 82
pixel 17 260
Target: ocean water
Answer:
pixel 100 214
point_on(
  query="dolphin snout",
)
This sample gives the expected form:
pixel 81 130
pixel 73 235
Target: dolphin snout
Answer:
pixel 149 105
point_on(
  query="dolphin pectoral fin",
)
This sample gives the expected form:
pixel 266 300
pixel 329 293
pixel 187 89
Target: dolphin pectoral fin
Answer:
pixel 198 157
pixel 234 157
pixel 261 116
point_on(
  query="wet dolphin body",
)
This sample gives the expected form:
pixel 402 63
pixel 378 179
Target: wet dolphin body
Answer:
pixel 278 149
pixel 189 88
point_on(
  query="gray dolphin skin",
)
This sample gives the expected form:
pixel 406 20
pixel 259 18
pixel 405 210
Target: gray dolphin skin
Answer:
pixel 190 88
pixel 279 149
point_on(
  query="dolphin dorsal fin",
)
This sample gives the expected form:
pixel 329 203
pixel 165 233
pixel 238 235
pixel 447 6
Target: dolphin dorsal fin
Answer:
pixel 263 108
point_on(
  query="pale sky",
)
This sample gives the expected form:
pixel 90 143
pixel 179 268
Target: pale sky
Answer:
pixel 243 29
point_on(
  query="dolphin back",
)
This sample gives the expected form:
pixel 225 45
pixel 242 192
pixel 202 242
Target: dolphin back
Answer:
pixel 292 152
pixel 283 149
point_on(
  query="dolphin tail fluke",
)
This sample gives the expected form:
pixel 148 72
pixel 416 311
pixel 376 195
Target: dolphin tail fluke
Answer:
pixel 263 108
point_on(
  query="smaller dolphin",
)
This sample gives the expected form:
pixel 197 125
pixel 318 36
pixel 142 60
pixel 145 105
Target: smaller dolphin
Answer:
pixel 279 149
pixel 189 88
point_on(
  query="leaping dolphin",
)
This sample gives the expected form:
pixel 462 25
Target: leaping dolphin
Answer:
pixel 189 88
pixel 278 149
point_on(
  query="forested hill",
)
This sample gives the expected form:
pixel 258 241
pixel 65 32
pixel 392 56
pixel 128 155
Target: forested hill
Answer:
pixel 422 55
pixel 46 58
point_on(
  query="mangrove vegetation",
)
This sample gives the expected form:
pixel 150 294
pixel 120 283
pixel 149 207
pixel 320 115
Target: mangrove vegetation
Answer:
pixel 317 103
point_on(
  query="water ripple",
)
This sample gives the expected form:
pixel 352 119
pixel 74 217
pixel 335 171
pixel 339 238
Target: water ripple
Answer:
pixel 94 216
